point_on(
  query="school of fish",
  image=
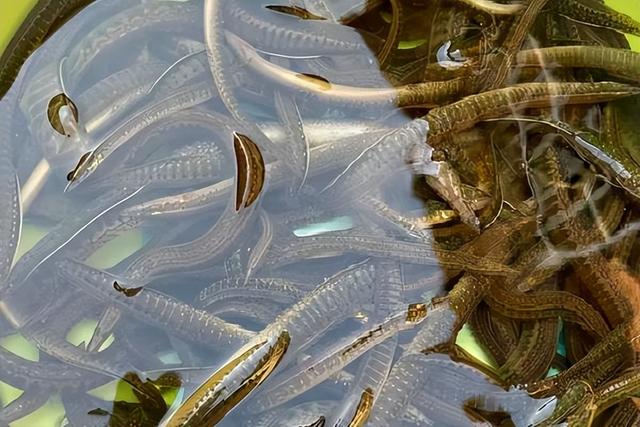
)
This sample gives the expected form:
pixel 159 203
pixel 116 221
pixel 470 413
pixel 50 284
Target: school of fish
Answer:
pixel 321 213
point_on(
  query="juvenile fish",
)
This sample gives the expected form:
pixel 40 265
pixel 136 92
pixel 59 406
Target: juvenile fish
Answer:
pixel 427 94
pixel 311 374
pixel 156 308
pixel 467 112
pixel 228 386
pixel 156 111
pixel 302 37
pixel 250 170
pixel 11 207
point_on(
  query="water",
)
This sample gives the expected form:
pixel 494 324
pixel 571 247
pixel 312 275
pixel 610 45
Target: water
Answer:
pixel 298 207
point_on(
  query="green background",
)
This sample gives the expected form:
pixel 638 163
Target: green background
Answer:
pixel 12 12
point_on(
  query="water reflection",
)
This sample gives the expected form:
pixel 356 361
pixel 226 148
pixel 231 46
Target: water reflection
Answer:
pixel 264 214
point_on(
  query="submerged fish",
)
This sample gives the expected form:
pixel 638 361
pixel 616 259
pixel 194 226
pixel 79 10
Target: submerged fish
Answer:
pixel 228 386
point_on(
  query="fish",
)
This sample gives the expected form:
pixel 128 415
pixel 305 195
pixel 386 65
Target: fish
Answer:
pixel 230 384
pixel 250 170
pixel 427 94
pixel 42 20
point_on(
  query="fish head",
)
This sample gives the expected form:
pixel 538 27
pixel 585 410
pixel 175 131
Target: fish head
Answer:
pixel 86 166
